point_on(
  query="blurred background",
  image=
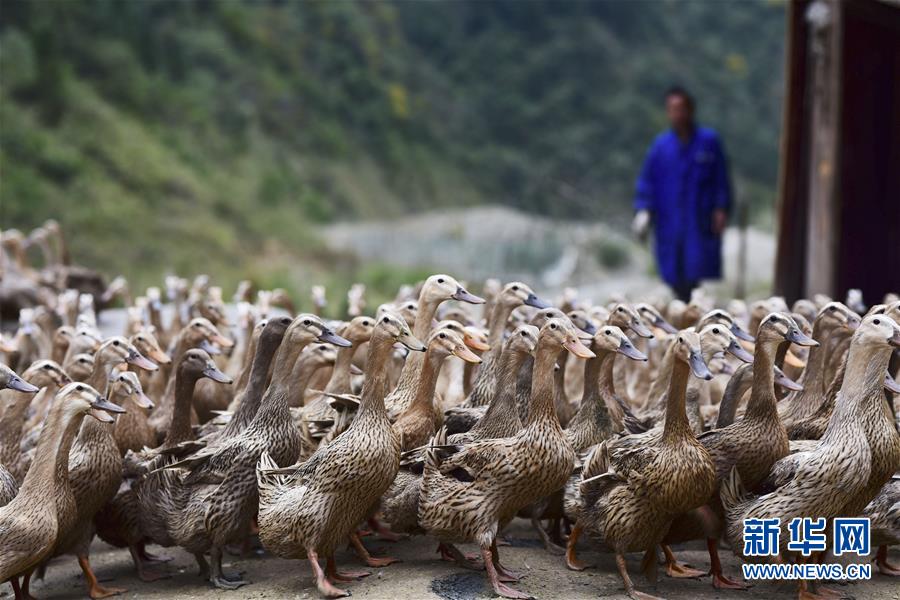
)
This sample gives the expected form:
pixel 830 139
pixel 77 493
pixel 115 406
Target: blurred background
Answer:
pixel 332 142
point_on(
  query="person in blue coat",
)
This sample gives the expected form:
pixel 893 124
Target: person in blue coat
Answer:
pixel 685 192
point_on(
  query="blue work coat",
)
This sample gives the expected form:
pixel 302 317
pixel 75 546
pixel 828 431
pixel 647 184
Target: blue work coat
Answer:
pixel 681 184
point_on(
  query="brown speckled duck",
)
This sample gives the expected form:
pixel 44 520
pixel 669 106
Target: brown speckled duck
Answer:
pixel 752 445
pixel 840 475
pixel 308 510
pixel 469 492
pixel 416 425
pixel 216 493
pixel 31 523
pixel 630 494
pixel 11 429
pixel 95 463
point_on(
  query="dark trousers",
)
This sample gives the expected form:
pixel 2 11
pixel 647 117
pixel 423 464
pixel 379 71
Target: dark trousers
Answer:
pixel 683 290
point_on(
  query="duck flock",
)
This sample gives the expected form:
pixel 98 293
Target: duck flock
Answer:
pixel 632 425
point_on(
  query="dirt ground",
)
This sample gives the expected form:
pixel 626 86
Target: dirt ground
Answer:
pixel 421 575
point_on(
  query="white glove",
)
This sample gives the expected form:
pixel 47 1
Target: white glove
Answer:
pixel 641 224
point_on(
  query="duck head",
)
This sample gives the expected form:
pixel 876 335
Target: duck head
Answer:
pixel 307 328
pixel 517 293
pixel 10 380
pixel 561 333
pixel 45 372
pixel 524 339
pixel 438 288
pixel 394 328
pixel 716 338
pixel 128 385
pixel 196 363
pixel 203 334
pixel 688 349
pixel 625 317
pixel 117 350
pixel 447 342
pixel 148 346
pixel 780 327
pixel 80 398
pixel 650 315
pixel 613 339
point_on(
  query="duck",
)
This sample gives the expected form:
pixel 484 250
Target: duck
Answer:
pixel 436 290
pixel 469 492
pixel 131 431
pixel 306 511
pixel 17 394
pixel 837 475
pixel 752 445
pixel 198 333
pixel 133 517
pixel 95 463
pixel 513 295
pixel 400 504
pixel 32 522
pixel 832 317
pixel 416 425
pixel 883 513
pixel 739 385
pixel 216 486
pixel 314 358
pixel 630 493
pixel 9 380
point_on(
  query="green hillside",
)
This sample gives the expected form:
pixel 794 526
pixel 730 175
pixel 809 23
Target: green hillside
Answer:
pixel 217 135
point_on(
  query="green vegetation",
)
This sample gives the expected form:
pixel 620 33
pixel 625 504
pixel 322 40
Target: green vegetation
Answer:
pixel 218 135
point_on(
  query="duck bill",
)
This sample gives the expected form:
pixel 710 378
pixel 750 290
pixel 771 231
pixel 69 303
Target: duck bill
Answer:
pixel 698 366
pixel 144 401
pixel 101 409
pixel 664 325
pixel 158 356
pixel 138 360
pixel 20 385
pixel 332 338
pixel 463 295
pixel 894 340
pixel 628 349
pixel 476 344
pixel 466 355
pixel 206 346
pixel 736 350
pixel 354 370
pixel 795 336
pixel 890 384
pixel 408 340
pixel 640 329
pixel 576 347
pixel 536 302
pixel 793 360
pixel 212 372
pixel 741 334
pixel 786 382
pixel 222 341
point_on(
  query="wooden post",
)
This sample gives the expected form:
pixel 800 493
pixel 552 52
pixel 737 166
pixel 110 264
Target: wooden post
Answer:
pixel 824 20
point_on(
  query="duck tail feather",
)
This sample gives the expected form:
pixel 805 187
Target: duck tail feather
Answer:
pixel 733 493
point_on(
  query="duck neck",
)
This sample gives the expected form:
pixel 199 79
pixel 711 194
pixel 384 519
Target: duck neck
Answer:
pixel 814 373
pixel 376 382
pixel 541 410
pixel 423 402
pixel 425 318
pixel 763 404
pixel 99 379
pixel 677 426
pixel 734 391
pixel 256 381
pixel 49 473
pixel 302 375
pixel 285 359
pixel 864 378
pixel 503 404
pixel 11 422
pixel 499 316
pixel 250 350
pixel 180 427
pixel 598 385
pixel 340 375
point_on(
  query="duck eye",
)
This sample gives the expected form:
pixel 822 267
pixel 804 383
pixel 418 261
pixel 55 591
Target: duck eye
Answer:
pixel 47 367
pixel 515 288
pixel 442 336
pixel 608 332
pixel 306 322
pixel 385 320
pixel 80 388
pixel 716 330
pixel 441 280
pixel 116 343
pixel 552 325
pixel 877 321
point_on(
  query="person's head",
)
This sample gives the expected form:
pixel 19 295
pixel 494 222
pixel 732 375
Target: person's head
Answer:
pixel 679 108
